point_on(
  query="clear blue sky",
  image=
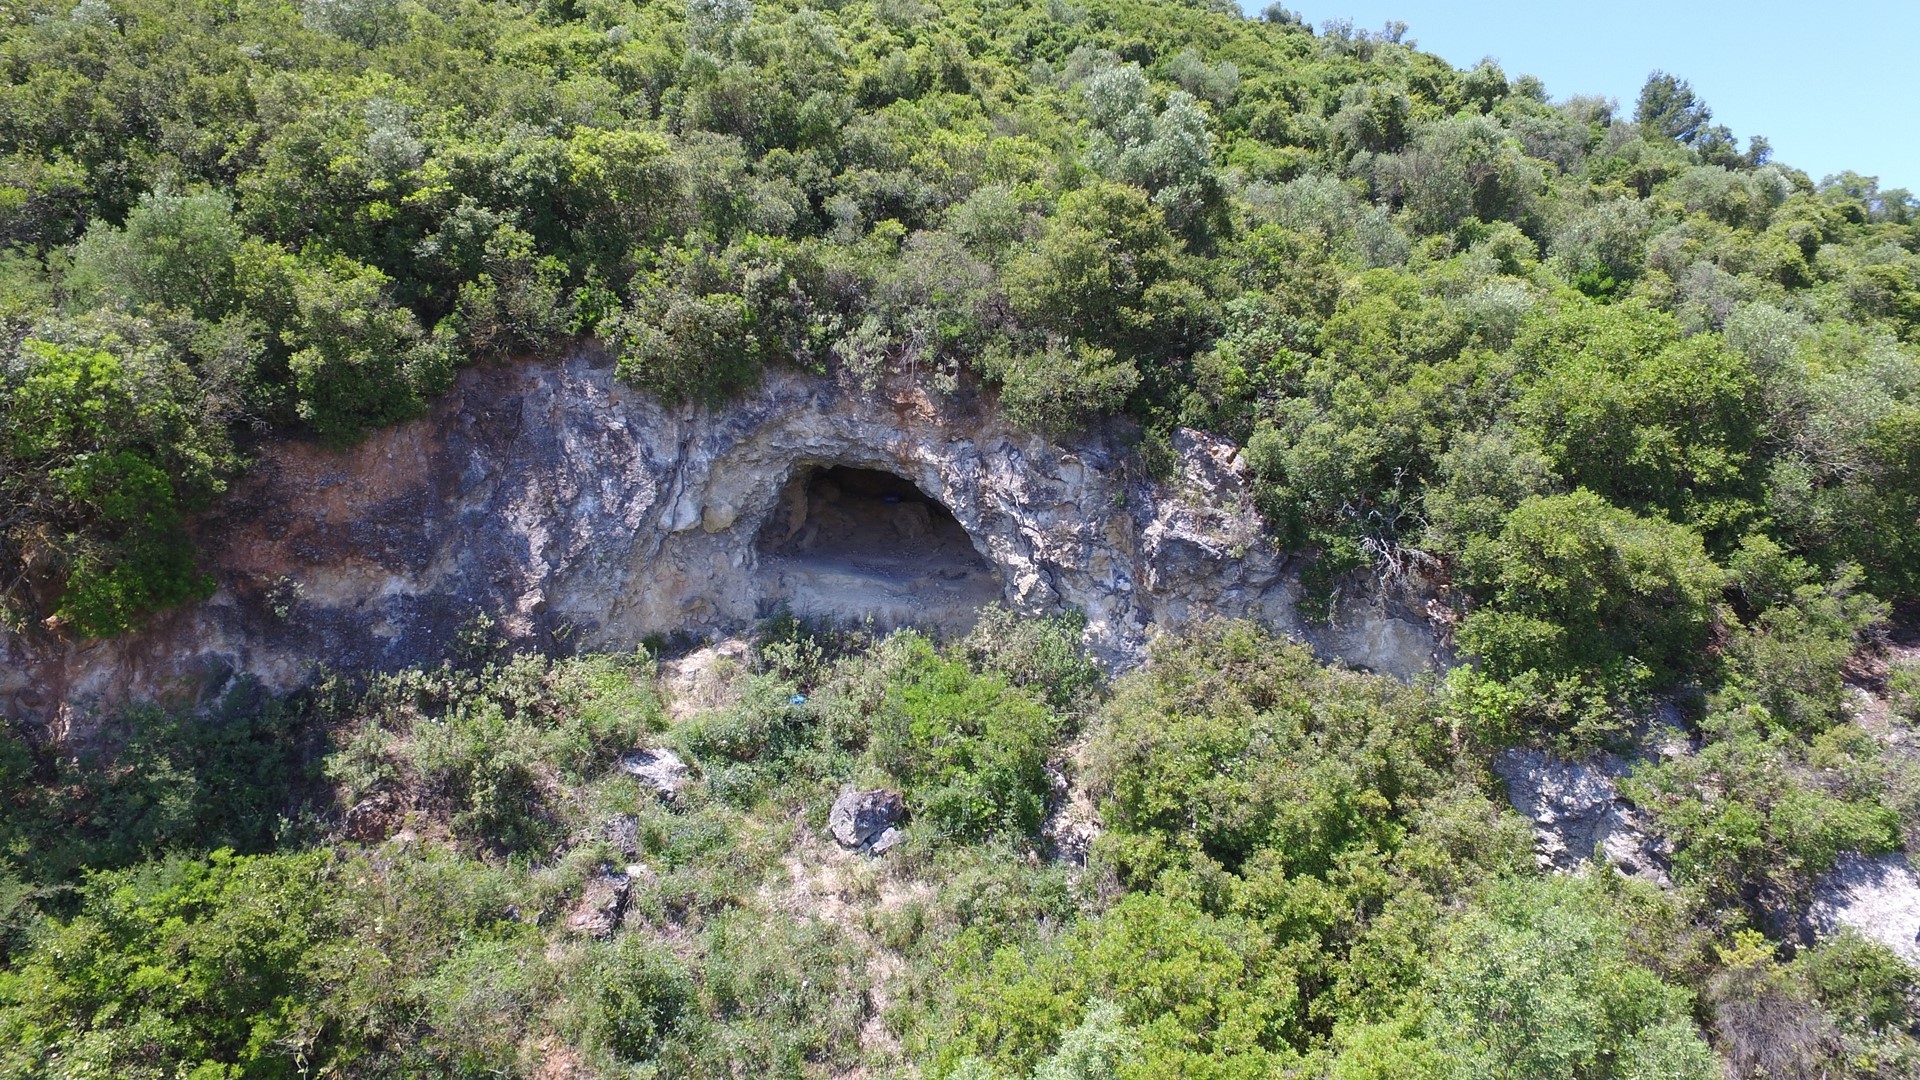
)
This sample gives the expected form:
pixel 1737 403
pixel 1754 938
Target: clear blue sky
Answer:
pixel 1832 86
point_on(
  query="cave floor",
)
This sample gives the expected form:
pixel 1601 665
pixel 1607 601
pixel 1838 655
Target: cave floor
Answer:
pixel 893 589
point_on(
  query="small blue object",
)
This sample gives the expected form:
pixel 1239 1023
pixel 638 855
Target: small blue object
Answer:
pixel 890 499
pixel 797 699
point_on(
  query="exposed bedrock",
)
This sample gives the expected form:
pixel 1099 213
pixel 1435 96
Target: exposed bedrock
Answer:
pixel 577 512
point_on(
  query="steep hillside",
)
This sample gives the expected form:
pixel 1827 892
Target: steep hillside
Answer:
pixel 700 538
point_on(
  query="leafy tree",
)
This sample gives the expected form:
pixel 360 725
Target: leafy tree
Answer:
pixel 358 361
pixel 175 251
pixel 1576 584
pixel 107 451
pixel 176 966
pixel 1669 108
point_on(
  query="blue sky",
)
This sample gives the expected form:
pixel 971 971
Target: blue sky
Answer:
pixel 1832 86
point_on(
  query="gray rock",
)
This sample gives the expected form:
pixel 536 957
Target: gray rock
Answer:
pixel 1071 825
pixel 887 841
pixel 578 512
pixel 1878 897
pixel 660 769
pixel 1577 811
pixel 859 818
pixel 602 901
pixel 623 831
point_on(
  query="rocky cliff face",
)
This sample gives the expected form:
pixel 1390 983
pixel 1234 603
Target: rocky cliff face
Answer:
pixel 576 512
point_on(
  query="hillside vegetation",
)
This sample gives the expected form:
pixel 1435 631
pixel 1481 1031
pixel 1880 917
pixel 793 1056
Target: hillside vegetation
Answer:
pixel 1644 402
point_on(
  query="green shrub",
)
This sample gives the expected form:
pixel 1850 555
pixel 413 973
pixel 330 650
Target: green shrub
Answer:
pixel 640 992
pixel 781 992
pixel 1746 811
pixel 1860 980
pixel 158 781
pixel 106 450
pixel 1536 980
pixel 1062 388
pixel 358 360
pixel 1575 585
pixel 477 1007
pixel 969 750
pixel 175 966
pixel 1044 655
pixel 1232 743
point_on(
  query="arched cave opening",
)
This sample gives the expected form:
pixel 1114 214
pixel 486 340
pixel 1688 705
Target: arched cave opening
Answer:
pixel 849 544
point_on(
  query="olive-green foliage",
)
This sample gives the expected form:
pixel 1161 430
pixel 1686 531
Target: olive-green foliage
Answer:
pixel 1284 832
pixel 1062 388
pixel 358 361
pixel 1044 655
pixel 642 992
pixel 969 750
pixel 494 748
pixel 1576 583
pixel 1201 993
pixel 170 967
pixel 157 781
pixel 1903 685
pixel 1540 979
pixel 1236 744
pixel 1752 808
pixel 107 447
pixel 1790 660
pixel 1835 1009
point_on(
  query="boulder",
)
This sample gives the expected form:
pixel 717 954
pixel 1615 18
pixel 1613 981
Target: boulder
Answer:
pixel 662 770
pixel 602 902
pixel 860 818
pixel 623 831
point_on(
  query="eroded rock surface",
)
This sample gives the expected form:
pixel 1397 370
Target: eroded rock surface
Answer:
pixel 1577 813
pixel 603 899
pixel 1879 897
pixel 659 769
pixel 576 512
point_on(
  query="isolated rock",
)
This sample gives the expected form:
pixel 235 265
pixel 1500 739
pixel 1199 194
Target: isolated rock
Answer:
pixel 1879 897
pixel 661 769
pixel 623 831
pixel 602 901
pixel 704 678
pixel 860 817
pixel 1577 810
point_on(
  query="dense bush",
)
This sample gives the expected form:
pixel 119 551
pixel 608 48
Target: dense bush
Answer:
pixel 1576 584
pixel 969 750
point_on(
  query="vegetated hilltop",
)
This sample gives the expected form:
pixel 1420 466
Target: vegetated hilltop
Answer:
pixel 1648 401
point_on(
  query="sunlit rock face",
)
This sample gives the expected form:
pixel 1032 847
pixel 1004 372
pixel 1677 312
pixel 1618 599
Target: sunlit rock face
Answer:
pixel 575 512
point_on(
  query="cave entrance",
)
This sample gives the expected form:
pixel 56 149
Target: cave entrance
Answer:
pixel 848 544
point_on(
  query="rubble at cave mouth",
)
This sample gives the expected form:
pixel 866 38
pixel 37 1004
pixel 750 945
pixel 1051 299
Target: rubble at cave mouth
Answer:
pixel 849 544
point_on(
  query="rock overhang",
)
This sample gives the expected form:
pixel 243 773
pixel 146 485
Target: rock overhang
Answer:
pixel 575 512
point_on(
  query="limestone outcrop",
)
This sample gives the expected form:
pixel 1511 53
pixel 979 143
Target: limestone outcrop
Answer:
pixel 1578 814
pixel 1878 897
pixel 550 506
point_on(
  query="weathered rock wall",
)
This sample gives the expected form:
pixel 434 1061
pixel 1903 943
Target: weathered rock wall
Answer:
pixel 578 512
